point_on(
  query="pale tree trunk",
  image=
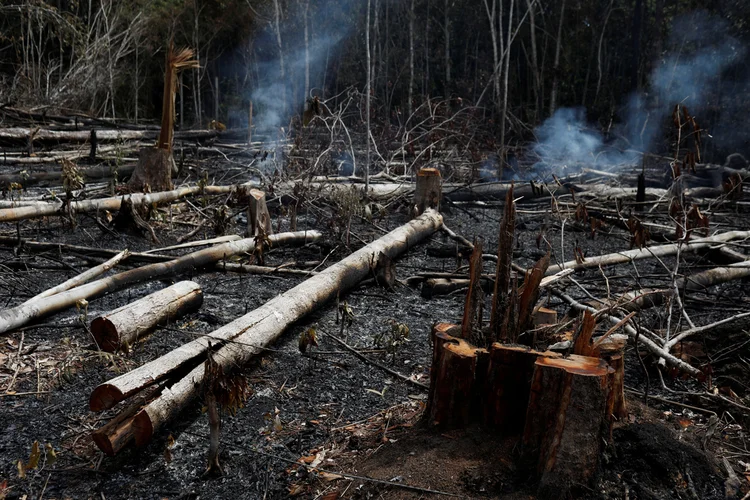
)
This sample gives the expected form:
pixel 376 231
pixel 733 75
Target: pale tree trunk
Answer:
pixel 307 50
pixel 447 36
pixel 426 74
pixel 197 73
pixel 282 67
pixel 384 71
pixel 556 66
pixel 505 76
pixel 599 51
pixel 367 99
pixel 411 60
pixel 537 88
pixel 492 16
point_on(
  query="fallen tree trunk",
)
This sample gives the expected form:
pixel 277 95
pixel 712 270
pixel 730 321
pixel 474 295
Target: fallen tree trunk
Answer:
pixel 120 328
pixel 20 315
pixel 19 134
pixel 81 250
pixel 243 338
pixel 82 278
pixel 91 173
pixel 113 203
pixel 648 252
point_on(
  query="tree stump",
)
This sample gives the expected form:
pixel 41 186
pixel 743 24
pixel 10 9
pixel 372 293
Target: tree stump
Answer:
pixel 456 378
pixel 429 190
pixel 612 350
pixel 567 421
pixel 153 172
pixel 257 214
pixel 509 374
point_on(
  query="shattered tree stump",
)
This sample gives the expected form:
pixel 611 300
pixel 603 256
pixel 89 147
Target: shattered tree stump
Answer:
pixel 153 172
pixel 122 327
pixel 257 214
pixel 612 350
pixel 560 407
pixel 428 190
pixel 509 374
pixel 454 383
pixel 567 421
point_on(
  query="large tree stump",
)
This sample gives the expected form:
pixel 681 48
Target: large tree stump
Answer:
pixel 153 172
pixel 456 378
pixel 429 190
pixel 123 326
pixel 509 374
pixel 567 421
pixel 257 214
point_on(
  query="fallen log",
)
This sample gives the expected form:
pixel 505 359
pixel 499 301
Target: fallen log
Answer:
pixel 122 327
pixel 20 315
pixel 113 203
pixel 82 278
pixel 648 252
pixel 19 134
pixel 243 338
pixel 90 173
pixel 78 249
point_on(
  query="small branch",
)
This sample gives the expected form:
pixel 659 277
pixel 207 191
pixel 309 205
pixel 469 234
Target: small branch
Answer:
pixel 376 364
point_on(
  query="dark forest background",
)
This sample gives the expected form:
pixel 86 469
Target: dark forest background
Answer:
pixel 607 71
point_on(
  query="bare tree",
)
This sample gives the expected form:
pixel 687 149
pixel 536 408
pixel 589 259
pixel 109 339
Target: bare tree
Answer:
pixel 367 99
pixel 556 66
pixel 411 60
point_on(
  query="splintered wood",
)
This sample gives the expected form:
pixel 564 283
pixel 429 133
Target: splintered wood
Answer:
pixel 561 407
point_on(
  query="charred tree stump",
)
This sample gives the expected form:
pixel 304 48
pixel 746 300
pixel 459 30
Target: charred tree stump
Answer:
pixel 92 151
pixel 122 327
pixel 257 214
pixel 153 172
pixel 456 378
pixel 428 190
pixel 567 421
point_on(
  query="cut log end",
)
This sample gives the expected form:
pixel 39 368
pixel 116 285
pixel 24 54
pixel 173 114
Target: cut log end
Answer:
pixel 104 397
pixel 105 334
pixel 143 428
pixel 111 439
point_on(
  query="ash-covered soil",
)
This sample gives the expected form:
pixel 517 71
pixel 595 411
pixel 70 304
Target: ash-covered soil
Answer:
pixel 332 410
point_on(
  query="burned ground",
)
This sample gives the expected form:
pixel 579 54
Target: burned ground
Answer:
pixel 331 411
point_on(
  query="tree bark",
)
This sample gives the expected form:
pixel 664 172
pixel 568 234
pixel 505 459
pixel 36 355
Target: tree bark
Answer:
pixel 257 214
pixel 566 421
pixel 556 66
pixel 122 327
pixel 240 340
pixel 455 379
pixel 153 172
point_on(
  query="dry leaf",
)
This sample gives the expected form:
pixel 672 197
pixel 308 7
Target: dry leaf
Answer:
pixel 296 489
pixel 36 454
pixel 49 452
